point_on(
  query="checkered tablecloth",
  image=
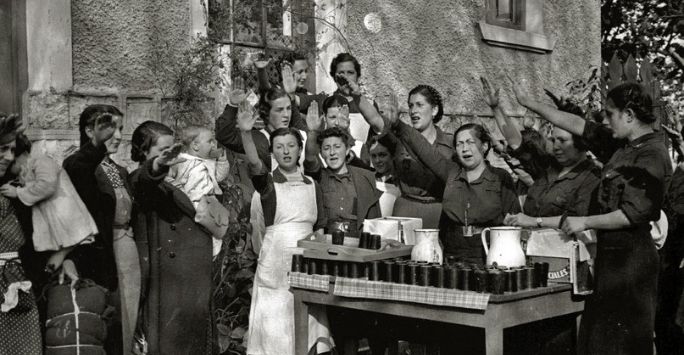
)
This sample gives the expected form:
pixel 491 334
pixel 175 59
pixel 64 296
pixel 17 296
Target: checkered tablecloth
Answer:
pixel 361 288
pixel 309 282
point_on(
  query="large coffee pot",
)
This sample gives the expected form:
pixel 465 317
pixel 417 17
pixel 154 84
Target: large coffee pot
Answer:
pixel 505 248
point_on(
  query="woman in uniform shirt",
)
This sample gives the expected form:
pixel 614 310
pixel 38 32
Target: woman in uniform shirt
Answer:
pixel 619 315
pixel 421 189
pixel 476 195
pixel 563 182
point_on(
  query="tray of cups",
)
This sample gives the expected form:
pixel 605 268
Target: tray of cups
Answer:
pixel 504 284
pixel 367 247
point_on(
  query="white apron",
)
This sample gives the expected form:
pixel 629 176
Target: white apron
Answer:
pixel 256 212
pixel 271 316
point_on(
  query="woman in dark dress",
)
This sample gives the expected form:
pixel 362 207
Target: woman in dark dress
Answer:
pixel 476 194
pixel 619 316
pixel 103 186
pixel 175 251
pixel 19 324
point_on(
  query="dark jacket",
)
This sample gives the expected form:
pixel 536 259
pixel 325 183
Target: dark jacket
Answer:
pixel 176 266
pixel 94 261
pixel 367 195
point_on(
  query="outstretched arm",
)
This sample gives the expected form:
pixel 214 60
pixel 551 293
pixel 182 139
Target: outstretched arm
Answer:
pixel 567 121
pixel 505 123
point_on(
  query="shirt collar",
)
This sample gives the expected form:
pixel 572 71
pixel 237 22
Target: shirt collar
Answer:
pixel 487 174
pixel 279 178
pixel 443 138
pixel 646 138
pixel 583 166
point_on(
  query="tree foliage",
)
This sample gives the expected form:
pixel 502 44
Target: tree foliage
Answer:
pixel 647 29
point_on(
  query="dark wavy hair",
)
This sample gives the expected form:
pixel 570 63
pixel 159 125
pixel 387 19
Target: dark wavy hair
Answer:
pixel 90 113
pixel 634 97
pixel 334 132
pixel 145 137
pixel 268 96
pixel 341 58
pixel 432 96
pixel 376 140
pixel 478 131
pixel 280 132
pixel 334 101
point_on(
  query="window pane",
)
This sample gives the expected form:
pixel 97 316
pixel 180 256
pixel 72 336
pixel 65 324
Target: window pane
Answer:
pixel 278 23
pixel 220 20
pixel 248 21
pixel 504 9
pixel 243 72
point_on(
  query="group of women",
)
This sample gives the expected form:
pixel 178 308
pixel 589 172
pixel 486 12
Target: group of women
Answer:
pixel 150 250
pixel 447 181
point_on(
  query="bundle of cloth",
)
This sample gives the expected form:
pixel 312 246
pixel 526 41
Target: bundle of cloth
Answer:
pixel 76 319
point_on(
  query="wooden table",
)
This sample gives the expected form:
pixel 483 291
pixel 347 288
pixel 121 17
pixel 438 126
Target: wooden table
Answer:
pixel 555 302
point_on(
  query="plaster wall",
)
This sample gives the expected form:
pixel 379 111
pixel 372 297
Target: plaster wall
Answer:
pixel 115 42
pixel 438 42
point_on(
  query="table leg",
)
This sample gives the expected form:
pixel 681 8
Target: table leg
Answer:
pixel 494 341
pixel 301 323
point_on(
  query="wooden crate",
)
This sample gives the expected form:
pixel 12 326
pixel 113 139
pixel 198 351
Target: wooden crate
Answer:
pixel 327 251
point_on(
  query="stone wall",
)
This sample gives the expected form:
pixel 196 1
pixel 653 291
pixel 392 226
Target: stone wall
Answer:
pixel 119 53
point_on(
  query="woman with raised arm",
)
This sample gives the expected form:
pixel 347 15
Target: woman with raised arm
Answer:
pixel 563 182
pixel 421 189
pixel 175 250
pixel 293 210
pixel 476 194
pixel 619 315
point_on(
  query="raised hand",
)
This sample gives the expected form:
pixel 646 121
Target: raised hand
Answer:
pixel 314 121
pixel 289 84
pixel 522 98
pixel 354 87
pixel 237 96
pixel 491 95
pixel 390 109
pixel 246 117
pixel 169 156
pixel 344 114
pixel 103 128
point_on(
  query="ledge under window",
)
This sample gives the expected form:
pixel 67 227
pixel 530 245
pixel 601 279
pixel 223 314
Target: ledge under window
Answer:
pixel 510 38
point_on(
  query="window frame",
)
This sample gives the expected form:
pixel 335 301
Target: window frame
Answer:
pixel 518 15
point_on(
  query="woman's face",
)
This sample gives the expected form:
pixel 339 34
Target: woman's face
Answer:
pixel 334 151
pixel 300 69
pixel 163 142
pixel 333 118
pixel 7 156
pixel 381 159
pixel 286 151
pixel 564 148
pixel 421 111
pixel 469 149
pixel 279 116
pixel 113 143
pixel 617 120
pixel 348 71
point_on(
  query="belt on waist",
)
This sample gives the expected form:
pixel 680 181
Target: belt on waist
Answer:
pixel 10 256
pixel 422 199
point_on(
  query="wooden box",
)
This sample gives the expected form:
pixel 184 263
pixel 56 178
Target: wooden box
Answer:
pixel 327 251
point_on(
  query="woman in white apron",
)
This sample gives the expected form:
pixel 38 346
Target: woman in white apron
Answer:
pixel 292 206
pixel 382 160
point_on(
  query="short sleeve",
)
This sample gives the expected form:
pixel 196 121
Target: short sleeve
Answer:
pixel 642 197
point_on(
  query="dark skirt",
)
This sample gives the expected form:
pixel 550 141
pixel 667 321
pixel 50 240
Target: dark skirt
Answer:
pixel 429 212
pixel 619 316
pixel 465 249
